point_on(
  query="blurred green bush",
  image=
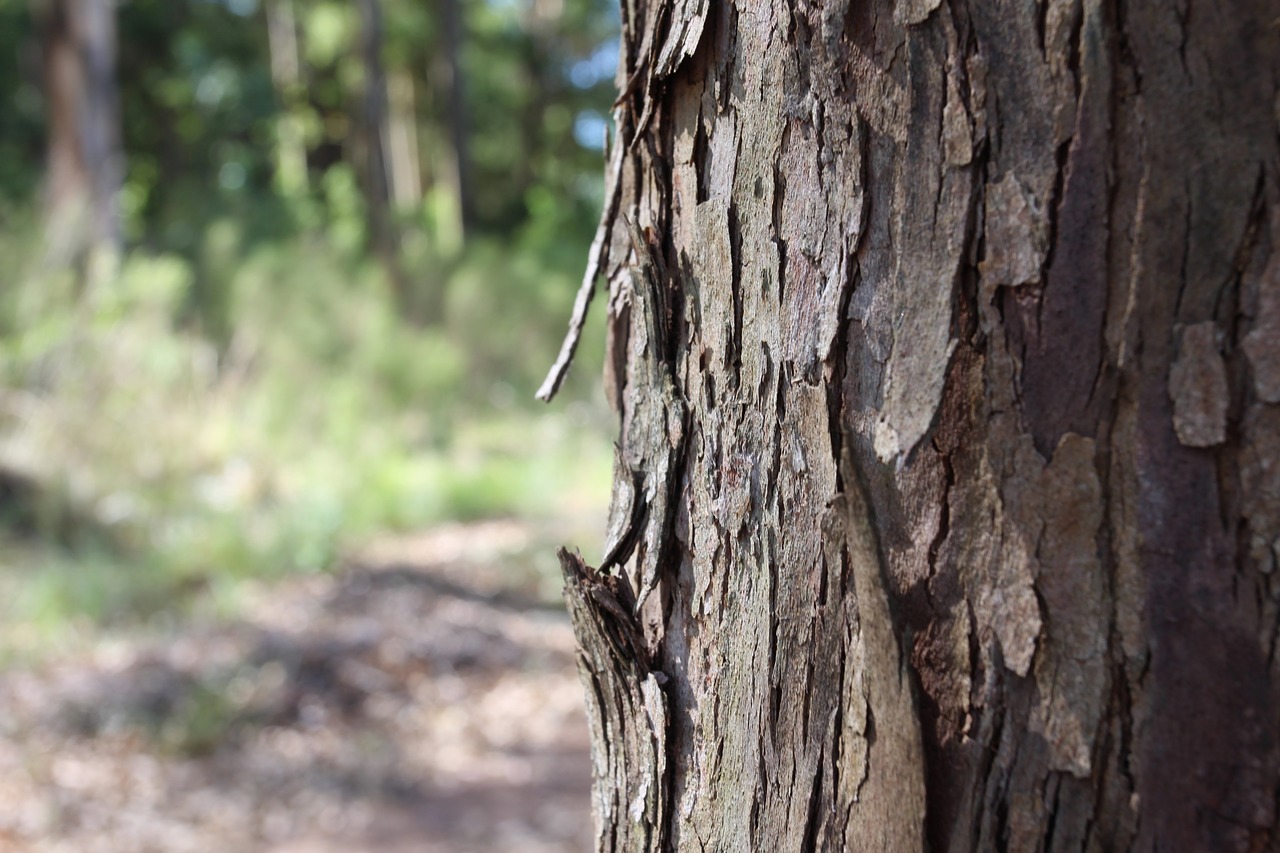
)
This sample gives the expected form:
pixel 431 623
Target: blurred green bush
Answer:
pixel 163 464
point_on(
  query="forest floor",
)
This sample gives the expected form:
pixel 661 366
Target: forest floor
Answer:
pixel 422 698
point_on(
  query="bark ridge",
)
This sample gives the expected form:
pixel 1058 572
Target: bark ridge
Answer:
pixel 942 338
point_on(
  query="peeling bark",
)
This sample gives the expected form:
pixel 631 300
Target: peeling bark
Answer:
pixel 943 337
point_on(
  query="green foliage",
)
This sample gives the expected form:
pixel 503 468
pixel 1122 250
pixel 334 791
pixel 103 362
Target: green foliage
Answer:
pixel 201 113
pixel 175 467
pixel 22 128
pixel 246 390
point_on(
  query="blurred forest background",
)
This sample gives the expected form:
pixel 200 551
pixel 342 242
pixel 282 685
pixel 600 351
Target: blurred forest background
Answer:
pixel 278 277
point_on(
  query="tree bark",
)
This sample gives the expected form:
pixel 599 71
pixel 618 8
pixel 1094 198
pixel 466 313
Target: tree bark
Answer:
pixel 85 166
pixel 945 340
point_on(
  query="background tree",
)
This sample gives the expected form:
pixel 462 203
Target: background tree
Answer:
pixel 452 91
pixel 84 162
pixel 286 74
pixel 374 141
pixel 944 341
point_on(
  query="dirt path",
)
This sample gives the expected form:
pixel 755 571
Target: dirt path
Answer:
pixel 424 699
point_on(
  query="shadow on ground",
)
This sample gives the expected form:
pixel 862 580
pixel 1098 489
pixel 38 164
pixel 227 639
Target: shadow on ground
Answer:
pixel 425 699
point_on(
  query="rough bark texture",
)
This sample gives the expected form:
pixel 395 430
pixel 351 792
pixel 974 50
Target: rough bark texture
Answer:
pixel 949 474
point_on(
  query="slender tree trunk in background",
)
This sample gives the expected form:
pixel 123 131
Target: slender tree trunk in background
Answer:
pixel 406 171
pixel 456 167
pixel 286 74
pixel 946 347
pixel 374 156
pixel 85 161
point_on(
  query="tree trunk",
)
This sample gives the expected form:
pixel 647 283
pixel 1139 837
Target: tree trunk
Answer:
pixel 454 161
pixel 405 167
pixel 286 75
pixel 374 136
pixel 85 160
pixel 945 339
